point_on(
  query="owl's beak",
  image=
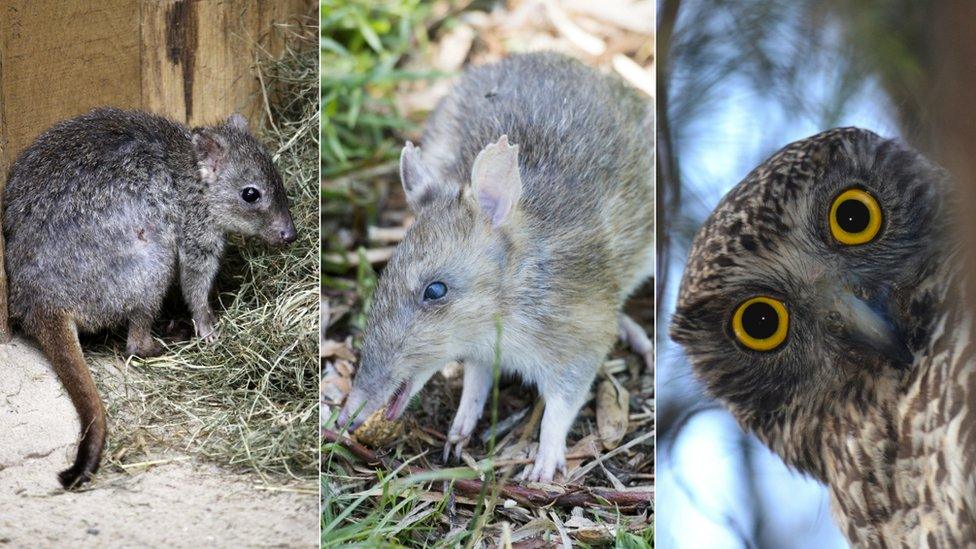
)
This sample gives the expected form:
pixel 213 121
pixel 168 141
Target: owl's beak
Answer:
pixel 865 325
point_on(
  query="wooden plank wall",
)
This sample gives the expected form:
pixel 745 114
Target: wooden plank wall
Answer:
pixel 190 60
pixel 197 57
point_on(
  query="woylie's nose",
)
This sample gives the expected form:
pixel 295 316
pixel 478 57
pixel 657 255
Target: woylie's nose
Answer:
pixel 288 234
pixel 285 227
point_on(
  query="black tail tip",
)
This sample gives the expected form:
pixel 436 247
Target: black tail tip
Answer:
pixel 74 477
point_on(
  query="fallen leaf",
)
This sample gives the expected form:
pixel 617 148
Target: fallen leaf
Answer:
pixel 612 409
pixel 634 15
pixel 334 387
pixel 583 40
pixel 588 446
pixel 339 349
pixel 638 76
pixel 454 47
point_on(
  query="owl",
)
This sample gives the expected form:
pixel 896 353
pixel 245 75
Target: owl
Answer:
pixel 821 304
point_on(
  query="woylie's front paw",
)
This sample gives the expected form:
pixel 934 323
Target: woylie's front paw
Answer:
pixel 204 326
pixel 548 460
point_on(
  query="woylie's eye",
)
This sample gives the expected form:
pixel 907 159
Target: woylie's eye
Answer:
pixel 855 217
pixel 435 290
pixel 250 194
pixel 761 323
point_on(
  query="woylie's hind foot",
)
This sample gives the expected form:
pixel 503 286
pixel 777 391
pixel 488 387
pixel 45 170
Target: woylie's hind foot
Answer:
pixel 145 349
pixel 140 342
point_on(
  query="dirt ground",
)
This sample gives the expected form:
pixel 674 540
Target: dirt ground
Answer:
pixel 177 503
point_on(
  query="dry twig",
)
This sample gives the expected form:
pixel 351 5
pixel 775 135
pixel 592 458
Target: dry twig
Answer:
pixel 576 496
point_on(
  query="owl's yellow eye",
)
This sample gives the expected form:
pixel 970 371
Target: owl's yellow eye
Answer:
pixel 855 217
pixel 761 323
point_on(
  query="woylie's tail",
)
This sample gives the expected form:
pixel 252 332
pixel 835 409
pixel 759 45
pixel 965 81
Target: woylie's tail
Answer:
pixel 58 337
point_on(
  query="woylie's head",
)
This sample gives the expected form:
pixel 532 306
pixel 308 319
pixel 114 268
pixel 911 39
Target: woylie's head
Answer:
pixel 444 287
pixel 244 192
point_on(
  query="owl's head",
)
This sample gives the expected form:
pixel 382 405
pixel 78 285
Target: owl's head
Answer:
pixel 808 281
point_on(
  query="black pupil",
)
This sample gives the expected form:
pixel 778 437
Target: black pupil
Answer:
pixel 760 320
pixel 435 290
pixel 853 216
pixel 250 194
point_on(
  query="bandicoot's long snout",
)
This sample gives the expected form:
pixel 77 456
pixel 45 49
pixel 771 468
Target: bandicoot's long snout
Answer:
pixel 353 413
pixel 359 406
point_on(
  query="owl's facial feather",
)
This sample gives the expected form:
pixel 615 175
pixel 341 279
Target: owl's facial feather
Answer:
pixel 856 312
pixel 861 324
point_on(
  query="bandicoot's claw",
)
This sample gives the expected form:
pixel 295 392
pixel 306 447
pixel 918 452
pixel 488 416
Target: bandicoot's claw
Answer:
pixel 455 447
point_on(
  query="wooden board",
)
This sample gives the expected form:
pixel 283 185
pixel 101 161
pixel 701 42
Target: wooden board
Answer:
pixel 199 56
pixel 191 60
pixel 58 59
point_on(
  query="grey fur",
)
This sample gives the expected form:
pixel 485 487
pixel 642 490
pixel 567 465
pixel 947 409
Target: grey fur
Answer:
pixel 555 273
pixel 101 209
pixel 104 209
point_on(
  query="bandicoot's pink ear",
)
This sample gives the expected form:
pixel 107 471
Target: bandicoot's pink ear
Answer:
pixel 418 182
pixel 496 181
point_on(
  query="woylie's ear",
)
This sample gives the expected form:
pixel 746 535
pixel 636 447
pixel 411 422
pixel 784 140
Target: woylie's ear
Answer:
pixel 418 182
pixel 211 152
pixel 496 181
pixel 237 121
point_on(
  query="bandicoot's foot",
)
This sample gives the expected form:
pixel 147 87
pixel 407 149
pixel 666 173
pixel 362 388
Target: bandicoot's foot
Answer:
pixel 454 446
pixel 547 462
pixel 636 338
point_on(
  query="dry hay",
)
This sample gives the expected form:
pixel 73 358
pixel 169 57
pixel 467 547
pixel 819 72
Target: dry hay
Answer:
pixel 246 401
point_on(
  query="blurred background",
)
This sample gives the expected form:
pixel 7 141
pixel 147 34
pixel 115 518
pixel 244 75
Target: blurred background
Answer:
pixel 736 81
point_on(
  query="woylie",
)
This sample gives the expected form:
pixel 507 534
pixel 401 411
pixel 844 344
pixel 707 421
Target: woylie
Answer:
pixel 534 204
pixel 103 211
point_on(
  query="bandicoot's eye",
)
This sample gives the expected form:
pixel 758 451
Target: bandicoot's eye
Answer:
pixel 761 323
pixel 435 290
pixel 855 217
